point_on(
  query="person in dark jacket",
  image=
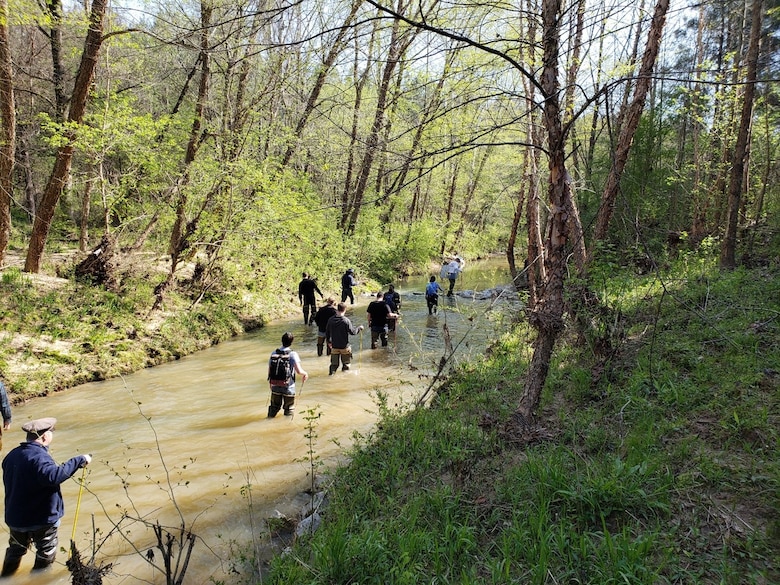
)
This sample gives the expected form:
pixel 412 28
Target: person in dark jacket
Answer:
pixel 5 409
pixel 393 300
pixel 306 289
pixel 348 282
pixel 322 317
pixel 33 500
pixel 337 333
pixel 379 314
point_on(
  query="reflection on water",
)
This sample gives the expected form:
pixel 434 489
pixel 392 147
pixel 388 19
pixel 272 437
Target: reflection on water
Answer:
pixel 190 439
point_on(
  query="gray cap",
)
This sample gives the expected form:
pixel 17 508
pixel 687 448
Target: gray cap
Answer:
pixel 39 426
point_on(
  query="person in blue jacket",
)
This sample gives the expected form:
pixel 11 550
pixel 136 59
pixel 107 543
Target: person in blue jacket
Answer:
pixel 33 499
pixel 432 295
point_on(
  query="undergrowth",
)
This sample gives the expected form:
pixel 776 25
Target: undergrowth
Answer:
pixel 656 465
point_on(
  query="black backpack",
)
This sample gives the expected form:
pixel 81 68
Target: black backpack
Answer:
pixel 280 368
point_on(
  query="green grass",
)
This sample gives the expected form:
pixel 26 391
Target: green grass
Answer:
pixel 657 465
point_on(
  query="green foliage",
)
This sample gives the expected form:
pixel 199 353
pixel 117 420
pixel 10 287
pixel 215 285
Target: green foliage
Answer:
pixel 634 477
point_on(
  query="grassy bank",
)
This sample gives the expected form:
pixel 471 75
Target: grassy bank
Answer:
pixel 59 332
pixel 658 464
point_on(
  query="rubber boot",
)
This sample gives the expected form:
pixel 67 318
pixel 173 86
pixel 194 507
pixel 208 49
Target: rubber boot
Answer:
pixel 319 349
pixel 10 565
pixel 41 564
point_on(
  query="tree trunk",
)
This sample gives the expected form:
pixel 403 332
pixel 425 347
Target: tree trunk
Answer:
pixel 7 132
pixel 450 203
pixel 85 211
pixel 546 317
pixel 195 132
pixel 336 47
pixel 399 42
pixel 182 229
pixel 518 278
pixel 630 124
pixel 54 8
pixel 729 244
pixel 61 172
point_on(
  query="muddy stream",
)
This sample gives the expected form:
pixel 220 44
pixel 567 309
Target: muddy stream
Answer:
pixel 193 435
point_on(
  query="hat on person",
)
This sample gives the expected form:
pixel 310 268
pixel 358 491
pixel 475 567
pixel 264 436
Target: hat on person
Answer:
pixel 39 426
pixel 350 270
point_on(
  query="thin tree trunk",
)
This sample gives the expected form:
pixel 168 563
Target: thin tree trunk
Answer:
pixel 61 172
pixel 729 244
pixel 471 189
pixel 547 316
pixel 85 210
pixel 399 42
pixel 430 109
pixel 182 229
pixel 54 8
pixel 336 47
pixel 517 278
pixel 450 202
pixel 195 131
pixel 630 124
pixel 7 132
pixel 699 192
pixel 359 80
pixel 536 272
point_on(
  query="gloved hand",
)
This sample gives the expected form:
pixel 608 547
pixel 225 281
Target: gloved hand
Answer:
pixel 88 457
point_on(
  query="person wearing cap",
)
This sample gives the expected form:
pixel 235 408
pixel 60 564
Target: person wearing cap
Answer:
pixel 5 409
pixel 347 283
pixel 33 499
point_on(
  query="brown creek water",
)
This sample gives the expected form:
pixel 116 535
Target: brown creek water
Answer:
pixel 191 439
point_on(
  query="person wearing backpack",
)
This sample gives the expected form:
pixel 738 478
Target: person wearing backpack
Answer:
pixel 283 365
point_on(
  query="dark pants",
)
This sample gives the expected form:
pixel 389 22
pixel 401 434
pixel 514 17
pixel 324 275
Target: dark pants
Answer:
pixel 433 303
pixel 19 541
pixel 309 310
pixel 452 285
pixel 281 398
pixel 347 294
pixel 345 355
pixel 377 334
pixel 321 343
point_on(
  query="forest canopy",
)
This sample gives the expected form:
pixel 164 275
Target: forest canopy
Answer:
pixel 387 135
